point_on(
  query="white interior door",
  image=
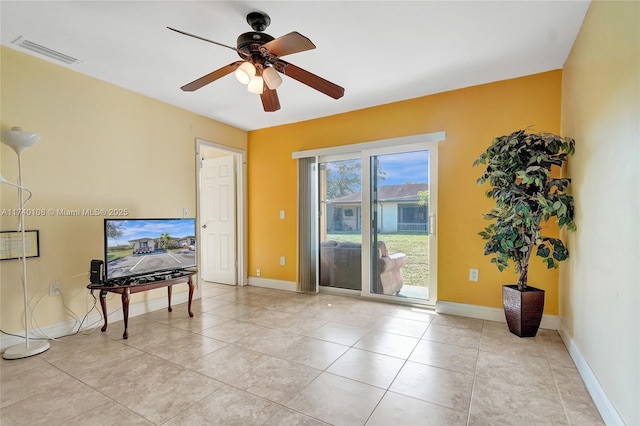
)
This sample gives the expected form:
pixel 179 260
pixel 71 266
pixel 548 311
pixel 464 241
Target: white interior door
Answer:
pixel 218 220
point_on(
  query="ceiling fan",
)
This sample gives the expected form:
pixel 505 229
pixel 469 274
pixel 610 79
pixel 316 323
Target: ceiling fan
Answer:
pixel 261 64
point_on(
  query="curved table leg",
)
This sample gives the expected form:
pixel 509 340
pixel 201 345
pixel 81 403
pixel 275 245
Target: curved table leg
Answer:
pixel 103 303
pixel 169 296
pixel 191 288
pixel 125 311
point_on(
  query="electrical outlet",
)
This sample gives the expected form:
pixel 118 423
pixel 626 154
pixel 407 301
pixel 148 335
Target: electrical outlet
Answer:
pixel 282 260
pixel 473 275
pixel 258 272
pixel 282 214
pixel 54 288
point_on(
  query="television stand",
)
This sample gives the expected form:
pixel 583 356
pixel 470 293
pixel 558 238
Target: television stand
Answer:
pixel 137 285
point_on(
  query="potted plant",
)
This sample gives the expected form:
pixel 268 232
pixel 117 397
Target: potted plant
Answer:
pixel 519 169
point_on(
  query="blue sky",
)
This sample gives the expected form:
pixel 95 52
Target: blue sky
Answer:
pixel 405 167
pixel 152 228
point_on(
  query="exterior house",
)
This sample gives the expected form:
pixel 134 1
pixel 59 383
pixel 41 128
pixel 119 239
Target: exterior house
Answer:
pixel 398 210
pixel 149 245
pixel 185 242
pixel 143 245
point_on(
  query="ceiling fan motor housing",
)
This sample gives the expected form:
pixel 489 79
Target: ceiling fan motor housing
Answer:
pixel 251 41
pixel 252 37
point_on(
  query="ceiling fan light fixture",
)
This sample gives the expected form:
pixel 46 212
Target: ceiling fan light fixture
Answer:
pixel 256 85
pixel 245 72
pixel 271 78
pixel 260 65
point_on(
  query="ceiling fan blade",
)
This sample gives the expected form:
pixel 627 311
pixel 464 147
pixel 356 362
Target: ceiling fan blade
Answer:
pixel 270 101
pixel 211 77
pixel 210 41
pixel 311 80
pixel 291 43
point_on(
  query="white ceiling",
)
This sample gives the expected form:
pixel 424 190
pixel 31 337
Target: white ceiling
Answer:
pixel 379 51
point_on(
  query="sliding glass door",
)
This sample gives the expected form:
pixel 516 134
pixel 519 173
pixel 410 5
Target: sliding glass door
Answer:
pixel 340 193
pixel 399 206
pixel 376 222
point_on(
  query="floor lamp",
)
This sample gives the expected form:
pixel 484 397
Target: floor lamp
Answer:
pixel 19 141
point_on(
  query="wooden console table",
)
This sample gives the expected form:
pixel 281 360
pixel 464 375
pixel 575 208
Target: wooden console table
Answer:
pixel 127 290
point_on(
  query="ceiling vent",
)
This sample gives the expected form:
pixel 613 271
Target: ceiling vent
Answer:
pixel 35 47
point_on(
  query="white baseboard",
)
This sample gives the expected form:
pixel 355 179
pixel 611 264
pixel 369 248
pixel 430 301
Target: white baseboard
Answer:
pixel 600 399
pixel 273 284
pixel 549 322
pixel 95 319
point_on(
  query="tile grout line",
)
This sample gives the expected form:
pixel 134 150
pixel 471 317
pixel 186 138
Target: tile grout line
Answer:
pixel 356 312
pixel 387 390
pixel 555 382
pixel 475 377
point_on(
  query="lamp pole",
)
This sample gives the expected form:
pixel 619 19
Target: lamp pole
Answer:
pixel 19 141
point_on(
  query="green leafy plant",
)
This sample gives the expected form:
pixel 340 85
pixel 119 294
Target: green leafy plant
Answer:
pixel 518 168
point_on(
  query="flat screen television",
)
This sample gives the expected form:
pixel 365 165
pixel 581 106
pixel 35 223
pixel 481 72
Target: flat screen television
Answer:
pixel 144 247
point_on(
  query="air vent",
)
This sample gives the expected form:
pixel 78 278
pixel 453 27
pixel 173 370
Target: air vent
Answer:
pixel 35 47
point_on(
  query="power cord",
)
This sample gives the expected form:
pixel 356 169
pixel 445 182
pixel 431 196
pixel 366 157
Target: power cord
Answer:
pixel 78 321
pixel 73 314
pixel 46 337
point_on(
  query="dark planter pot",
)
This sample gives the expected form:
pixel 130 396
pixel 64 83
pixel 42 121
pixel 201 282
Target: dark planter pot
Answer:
pixel 523 309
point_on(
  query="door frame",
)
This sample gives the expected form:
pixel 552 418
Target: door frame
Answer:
pixel 432 147
pixel 240 172
pixel 428 141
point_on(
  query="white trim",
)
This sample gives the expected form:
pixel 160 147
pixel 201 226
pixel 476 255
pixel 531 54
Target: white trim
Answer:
pixel 220 147
pixel 273 284
pixel 357 147
pixel 549 322
pixel 95 320
pixel 366 156
pixel 600 399
pixel 415 303
pixel 242 242
pixel 364 152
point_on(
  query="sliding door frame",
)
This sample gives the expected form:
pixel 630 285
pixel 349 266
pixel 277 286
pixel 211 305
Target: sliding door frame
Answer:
pixel 366 156
pixel 364 151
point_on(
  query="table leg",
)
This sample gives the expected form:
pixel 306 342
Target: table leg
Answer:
pixel 125 311
pixel 191 288
pixel 103 303
pixel 169 296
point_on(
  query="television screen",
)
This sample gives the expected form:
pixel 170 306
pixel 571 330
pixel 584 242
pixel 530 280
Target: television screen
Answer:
pixel 136 247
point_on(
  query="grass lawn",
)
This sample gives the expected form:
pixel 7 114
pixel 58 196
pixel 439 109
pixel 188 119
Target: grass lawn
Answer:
pixel 112 255
pixel 415 246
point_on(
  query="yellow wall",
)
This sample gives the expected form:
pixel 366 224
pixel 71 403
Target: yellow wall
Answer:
pixel 102 147
pixel 600 288
pixel 471 117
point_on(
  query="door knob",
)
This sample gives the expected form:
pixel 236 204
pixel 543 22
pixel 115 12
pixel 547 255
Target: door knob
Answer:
pixel 204 226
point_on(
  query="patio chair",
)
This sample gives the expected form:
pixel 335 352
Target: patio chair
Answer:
pixel 390 279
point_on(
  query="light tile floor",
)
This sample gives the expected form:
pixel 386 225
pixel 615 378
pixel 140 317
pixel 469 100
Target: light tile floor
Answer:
pixel 256 356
